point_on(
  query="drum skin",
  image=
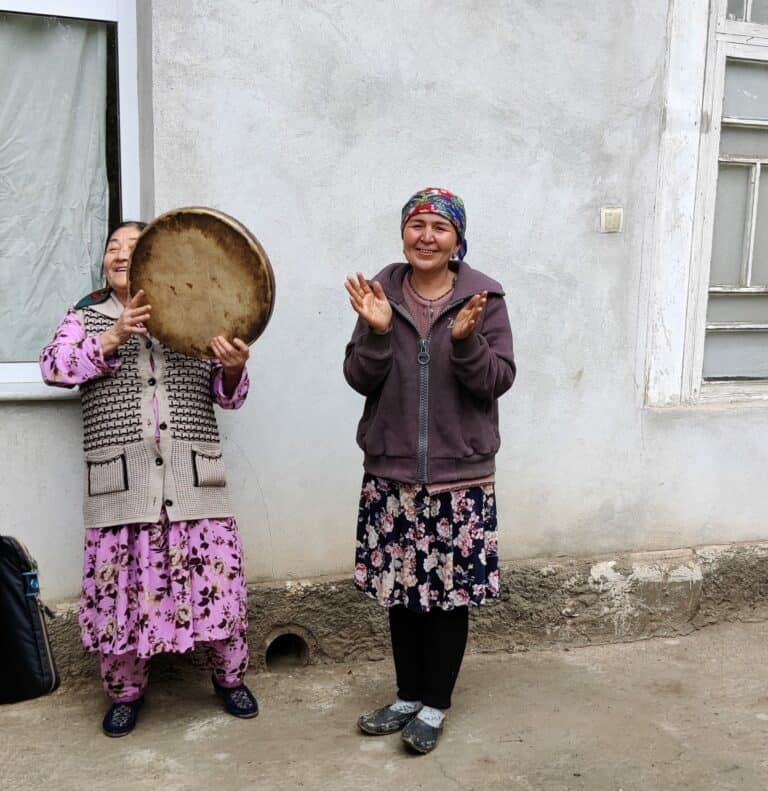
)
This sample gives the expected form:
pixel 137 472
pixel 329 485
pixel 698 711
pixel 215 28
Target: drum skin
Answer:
pixel 204 274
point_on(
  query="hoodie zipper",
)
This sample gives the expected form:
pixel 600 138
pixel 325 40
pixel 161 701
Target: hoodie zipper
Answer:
pixel 423 358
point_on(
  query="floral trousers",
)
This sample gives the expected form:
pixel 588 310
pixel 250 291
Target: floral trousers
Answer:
pixel 125 676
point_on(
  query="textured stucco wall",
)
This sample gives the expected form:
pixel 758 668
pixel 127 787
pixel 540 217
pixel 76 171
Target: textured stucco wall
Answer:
pixel 312 122
pixel 566 602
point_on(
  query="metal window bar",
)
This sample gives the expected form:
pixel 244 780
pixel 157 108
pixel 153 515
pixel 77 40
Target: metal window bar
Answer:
pixel 738 290
pixel 736 159
pixel 746 273
pixel 754 123
pixel 735 326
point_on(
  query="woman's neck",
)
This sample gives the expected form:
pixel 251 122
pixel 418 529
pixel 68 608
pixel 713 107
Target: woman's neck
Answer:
pixel 432 285
pixel 121 295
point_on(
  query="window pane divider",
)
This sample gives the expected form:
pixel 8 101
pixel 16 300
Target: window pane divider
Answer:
pixel 735 159
pixel 745 290
pixel 755 123
pixel 735 326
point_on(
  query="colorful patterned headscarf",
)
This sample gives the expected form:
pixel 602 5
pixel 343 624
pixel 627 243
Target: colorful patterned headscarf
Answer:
pixel 439 201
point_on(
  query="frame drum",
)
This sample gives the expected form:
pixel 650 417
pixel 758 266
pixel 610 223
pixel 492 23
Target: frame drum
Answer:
pixel 204 274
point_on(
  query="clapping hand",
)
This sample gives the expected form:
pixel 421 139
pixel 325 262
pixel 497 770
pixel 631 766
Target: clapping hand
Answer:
pixel 467 318
pixel 369 302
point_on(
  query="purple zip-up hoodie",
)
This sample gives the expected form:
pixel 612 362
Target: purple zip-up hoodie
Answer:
pixel 431 412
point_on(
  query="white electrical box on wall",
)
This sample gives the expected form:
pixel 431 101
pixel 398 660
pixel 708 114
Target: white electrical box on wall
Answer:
pixel 611 219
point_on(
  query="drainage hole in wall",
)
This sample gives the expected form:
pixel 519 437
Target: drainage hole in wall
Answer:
pixel 286 652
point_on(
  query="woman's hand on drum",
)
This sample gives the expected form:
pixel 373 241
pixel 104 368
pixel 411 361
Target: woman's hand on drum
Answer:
pixel 233 357
pixel 130 322
pixel 369 302
pixel 467 318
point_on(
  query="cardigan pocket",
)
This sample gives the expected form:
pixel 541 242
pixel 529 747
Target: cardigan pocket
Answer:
pixel 208 467
pixel 107 475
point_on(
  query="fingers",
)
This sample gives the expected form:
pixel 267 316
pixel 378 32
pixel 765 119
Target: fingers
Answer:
pixel 378 291
pixel 136 299
pixel 360 293
pixel 363 284
pixel 133 318
pixel 478 301
pixel 357 285
pixel 469 316
pixel 137 319
pixel 222 348
pixel 355 296
pixel 477 304
pixel 231 355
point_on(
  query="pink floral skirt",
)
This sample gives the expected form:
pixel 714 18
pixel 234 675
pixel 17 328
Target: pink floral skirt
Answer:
pixel 152 588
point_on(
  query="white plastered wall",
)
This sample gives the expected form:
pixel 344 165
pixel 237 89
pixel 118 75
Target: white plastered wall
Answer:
pixel 312 122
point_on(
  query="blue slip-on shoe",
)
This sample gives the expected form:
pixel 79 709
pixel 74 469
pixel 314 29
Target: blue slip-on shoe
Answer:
pixel 384 720
pixel 121 718
pixel 239 701
pixel 421 736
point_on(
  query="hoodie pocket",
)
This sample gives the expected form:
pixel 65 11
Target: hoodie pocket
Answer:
pixel 208 467
pixel 107 475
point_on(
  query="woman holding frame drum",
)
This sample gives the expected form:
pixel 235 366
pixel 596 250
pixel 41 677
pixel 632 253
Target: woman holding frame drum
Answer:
pixel 163 567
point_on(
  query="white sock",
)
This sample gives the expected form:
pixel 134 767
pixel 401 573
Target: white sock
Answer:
pixel 433 717
pixel 405 706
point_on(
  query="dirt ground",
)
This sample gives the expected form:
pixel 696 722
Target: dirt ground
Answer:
pixel 688 713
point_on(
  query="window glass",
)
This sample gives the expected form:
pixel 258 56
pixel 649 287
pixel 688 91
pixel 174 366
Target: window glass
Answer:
pixel 759 12
pixel 746 307
pixel 736 355
pixel 744 142
pixel 746 90
pixel 730 222
pixel 736 9
pixel 53 182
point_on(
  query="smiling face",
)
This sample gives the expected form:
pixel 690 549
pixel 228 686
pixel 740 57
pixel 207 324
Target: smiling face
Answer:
pixel 429 242
pixel 117 255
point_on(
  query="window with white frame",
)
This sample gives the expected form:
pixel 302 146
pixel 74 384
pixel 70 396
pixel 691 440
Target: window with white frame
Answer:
pixel 68 164
pixel 708 320
pixel 736 342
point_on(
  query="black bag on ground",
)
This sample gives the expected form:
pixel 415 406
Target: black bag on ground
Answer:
pixel 27 669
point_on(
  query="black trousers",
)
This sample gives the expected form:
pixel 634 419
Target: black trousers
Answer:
pixel 428 649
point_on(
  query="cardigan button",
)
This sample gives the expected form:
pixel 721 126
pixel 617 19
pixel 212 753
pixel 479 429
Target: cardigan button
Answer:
pixel 149 344
pixel 151 382
pixel 163 426
pixel 169 503
pixel 158 461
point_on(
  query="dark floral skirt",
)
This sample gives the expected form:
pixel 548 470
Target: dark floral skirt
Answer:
pixel 425 550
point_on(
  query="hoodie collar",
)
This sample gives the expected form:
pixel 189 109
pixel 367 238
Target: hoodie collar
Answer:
pixel 468 282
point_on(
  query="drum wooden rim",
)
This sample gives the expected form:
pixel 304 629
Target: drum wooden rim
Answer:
pixel 205 274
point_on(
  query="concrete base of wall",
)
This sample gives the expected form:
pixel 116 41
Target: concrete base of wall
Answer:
pixel 544 602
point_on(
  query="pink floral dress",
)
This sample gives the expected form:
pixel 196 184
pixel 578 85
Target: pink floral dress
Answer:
pixel 150 588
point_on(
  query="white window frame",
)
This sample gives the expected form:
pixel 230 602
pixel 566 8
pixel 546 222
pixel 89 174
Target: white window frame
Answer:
pixel 701 38
pixel 21 381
